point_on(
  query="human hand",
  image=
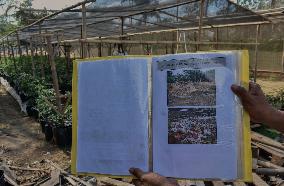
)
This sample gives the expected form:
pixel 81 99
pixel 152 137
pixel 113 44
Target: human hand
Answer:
pixel 151 179
pixel 255 103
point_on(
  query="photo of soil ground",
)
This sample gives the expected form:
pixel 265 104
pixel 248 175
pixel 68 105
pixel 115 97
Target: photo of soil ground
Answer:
pixel 191 88
pixel 192 126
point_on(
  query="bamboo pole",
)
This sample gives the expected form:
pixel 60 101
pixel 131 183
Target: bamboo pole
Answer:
pixel 32 56
pixel 201 13
pixel 110 50
pixel 216 38
pixel 122 33
pixel 99 40
pixel 54 73
pixel 173 46
pixel 1 49
pixel 57 48
pixel 100 49
pixel 19 45
pixel 4 51
pixel 173 30
pixel 13 57
pixel 81 43
pixel 27 49
pixel 177 19
pixel 177 44
pixel 84 31
pixel 270 172
pixel 256 52
pixel 89 50
pixel 282 55
pixel 42 66
pixel 67 50
pixel 8 49
pixel 11 54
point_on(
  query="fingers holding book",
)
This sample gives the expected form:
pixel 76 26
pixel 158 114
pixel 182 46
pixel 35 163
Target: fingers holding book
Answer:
pixel 150 178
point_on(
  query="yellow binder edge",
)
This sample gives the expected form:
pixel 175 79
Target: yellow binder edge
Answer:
pixel 74 118
pixel 111 57
pixel 246 121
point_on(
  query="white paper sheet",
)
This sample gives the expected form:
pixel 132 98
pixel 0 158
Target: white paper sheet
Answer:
pixel 113 116
pixel 186 156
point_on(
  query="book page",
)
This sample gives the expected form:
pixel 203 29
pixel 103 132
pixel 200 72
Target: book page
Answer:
pixel 112 116
pixel 194 116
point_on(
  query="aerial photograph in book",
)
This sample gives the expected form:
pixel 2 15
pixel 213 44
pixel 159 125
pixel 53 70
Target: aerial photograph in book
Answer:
pixel 191 88
pixel 192 126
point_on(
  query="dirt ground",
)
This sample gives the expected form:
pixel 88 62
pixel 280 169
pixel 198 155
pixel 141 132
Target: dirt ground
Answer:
pixel 22 143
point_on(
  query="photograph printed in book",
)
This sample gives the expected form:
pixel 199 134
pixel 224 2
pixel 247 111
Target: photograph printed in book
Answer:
pixel 191 88
pixel 192 126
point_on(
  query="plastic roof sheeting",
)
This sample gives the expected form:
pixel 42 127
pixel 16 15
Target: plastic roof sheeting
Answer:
pixel 104 17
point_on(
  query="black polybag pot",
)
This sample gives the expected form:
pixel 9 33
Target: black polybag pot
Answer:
pixel 35 113
pixel 42 125
pixel 2 180
pixel 48 132
pixel 29 110
pixel 24 97
pixel 69 135
pixel 60 136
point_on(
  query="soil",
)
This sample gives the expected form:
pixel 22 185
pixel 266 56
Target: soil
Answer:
pixel 22 143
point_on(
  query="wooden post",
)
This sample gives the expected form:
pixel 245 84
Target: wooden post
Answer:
pixel 282 55
pixel 100 49
pixel 216 38
pixel 12 55
pixel 81 43
pixel 122 33
pixel 201 13
pixel 142 49
pixel 1 50
pixel 167 49
pixel 256 52
pixel 195 40
pixel 27 49
pixel 110 50
pixel 89 50
pixel 58 52
pixel 32 56
pixel 19 45
pixel 67 50
pixel 173 45
pixel 42 66
pixel 177 19
pixel 177 39
pixel 84 31
pixel 8 48
pixel 4 51
pixel 54 73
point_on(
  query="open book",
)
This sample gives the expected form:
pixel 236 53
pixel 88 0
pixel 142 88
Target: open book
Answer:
pixel 174 115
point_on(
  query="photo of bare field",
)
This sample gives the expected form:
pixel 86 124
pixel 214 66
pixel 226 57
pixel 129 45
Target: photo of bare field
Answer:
pixel 191 88
pixel 192 126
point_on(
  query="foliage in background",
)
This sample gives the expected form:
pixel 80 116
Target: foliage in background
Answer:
pixel 16 13
pixel 38 90
pixel 277 100
pixel 260 4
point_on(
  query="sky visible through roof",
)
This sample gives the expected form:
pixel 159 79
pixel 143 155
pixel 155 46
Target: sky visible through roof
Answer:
pixel 50 4
pixel 53 4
